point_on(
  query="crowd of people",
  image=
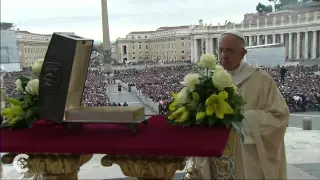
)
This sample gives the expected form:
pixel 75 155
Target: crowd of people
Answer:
pixel 300 86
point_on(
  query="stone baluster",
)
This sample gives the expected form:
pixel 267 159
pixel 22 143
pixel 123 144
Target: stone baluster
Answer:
pixel 250 22
pixel 299 19
pixel 274 22
pixel 315 16
pixel 258 23
pixel 307 18
pixel 282 21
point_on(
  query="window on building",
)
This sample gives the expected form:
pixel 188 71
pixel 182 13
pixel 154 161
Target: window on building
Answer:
pixel 146 46
pixel 182 52
pixel 134 57
pixel 139 37
pixel 182 44
pixel 133 47
pixel 145 37
pixel 133 53
pixel 139 46
pixel 182 38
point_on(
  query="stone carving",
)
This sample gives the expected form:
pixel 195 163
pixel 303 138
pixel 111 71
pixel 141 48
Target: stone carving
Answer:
pixel 282 20
pixel 274 22
pixel 290 19
pixel 266 21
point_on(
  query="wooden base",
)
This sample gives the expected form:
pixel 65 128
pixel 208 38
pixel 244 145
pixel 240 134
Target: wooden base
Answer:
pixel 52 166
pixel 146 167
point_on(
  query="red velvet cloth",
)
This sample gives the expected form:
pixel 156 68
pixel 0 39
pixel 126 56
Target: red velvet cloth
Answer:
pixel 157 138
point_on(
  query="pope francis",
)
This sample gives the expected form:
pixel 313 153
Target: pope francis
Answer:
pixel 262 154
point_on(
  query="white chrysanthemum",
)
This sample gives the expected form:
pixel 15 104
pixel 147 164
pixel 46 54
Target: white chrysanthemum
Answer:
pixel 222 79
pixel 190 80
pixel 33 87
pixel 235 89
pixel 19 85
pixel 37 66
pixel 183 96
pixel 208 61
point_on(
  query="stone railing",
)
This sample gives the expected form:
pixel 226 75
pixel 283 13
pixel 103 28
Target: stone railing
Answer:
pixel 145 100
pixel 282 21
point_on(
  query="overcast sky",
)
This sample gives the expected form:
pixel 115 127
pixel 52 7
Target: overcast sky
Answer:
pixel 84 16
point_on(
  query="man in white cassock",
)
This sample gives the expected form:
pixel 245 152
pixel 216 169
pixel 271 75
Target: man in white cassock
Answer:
pixel 262 153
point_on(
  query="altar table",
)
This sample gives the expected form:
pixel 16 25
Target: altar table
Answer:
pixel 157 142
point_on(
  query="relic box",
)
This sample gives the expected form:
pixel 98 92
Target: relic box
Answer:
pixel 62 81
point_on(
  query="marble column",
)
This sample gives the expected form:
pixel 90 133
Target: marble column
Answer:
pixel 306 45
pixel 274 39
pixel 282 38
pixel 298 46
pixel 207 45
pixel 314 45
pixel 250 40
pixel 258 40
pixel 195 50
pixel 290 46
pixel 192 50
pixel 265 39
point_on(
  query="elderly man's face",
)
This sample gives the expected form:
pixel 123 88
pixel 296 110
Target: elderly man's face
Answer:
pixel 231 51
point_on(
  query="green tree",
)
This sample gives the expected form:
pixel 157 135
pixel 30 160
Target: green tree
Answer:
pixel 277 5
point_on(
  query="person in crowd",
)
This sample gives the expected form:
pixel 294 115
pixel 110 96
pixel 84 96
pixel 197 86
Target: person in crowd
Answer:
pixel 125 104
pixel 283 71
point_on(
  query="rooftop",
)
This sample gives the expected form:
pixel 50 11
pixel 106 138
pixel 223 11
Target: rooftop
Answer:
pixel 160 29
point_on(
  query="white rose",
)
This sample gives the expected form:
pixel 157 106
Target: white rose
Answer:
pixel 33 87
pixel 208 61
pixel 37 66
pixel 183 96
pixel 190 80
pixel 19 85
pixel 218 67
pixel 222 79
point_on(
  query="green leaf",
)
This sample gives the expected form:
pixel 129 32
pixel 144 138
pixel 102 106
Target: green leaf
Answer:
pixel 24 81
pixel 13 101
pixel 238 128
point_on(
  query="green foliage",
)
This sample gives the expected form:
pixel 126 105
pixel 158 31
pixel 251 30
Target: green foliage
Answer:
pixel 277 5
pixel 29 104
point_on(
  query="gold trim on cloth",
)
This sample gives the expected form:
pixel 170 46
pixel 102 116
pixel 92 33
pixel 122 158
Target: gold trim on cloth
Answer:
pixel 220 168
pixel 224 167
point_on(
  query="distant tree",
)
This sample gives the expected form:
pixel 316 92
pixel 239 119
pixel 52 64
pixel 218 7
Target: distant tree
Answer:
pixel 277 5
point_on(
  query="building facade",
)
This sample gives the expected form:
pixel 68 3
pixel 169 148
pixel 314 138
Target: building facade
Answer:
pixel 9 56
pixel 31 46
pixel 297 30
